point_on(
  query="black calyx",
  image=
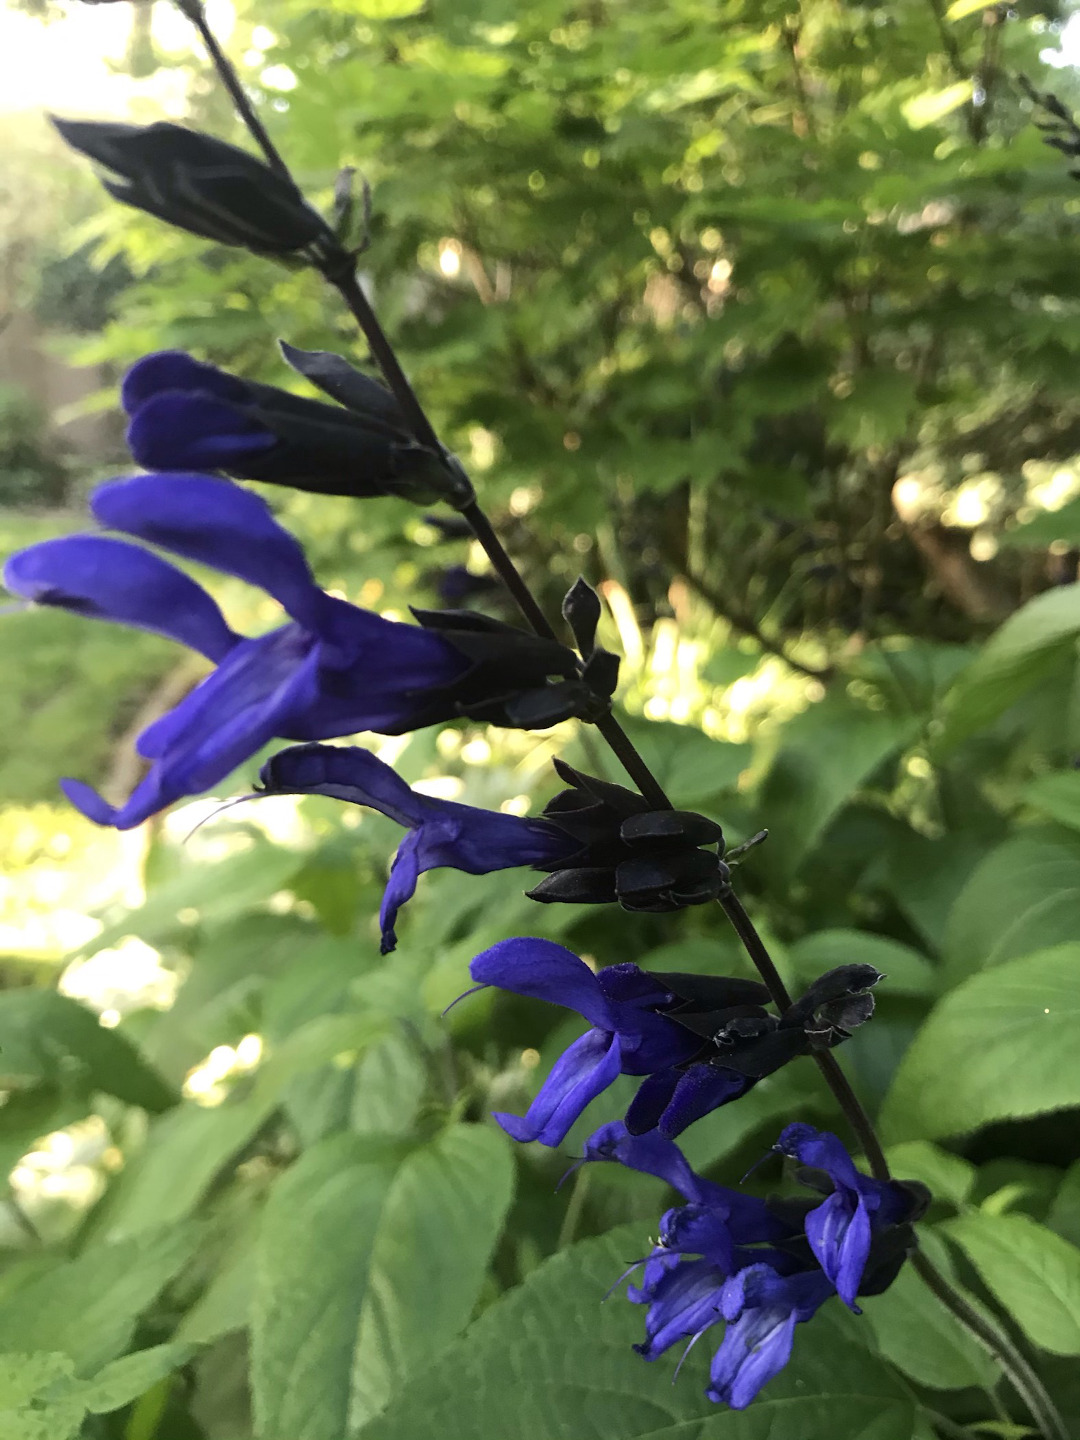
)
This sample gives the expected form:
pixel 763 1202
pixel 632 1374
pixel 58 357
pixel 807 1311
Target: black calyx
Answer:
pixel 200 184
pixel 647 860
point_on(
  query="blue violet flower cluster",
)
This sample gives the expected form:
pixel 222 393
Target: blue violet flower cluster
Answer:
pixel 693 1043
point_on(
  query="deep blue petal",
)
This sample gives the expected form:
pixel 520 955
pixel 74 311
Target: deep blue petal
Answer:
pixel 174 431
pixel 217 523
pixel 839 1235
pixel 248 700
pixel 176 370
pixel 820 1150
pixel 700 1090
pixel 545 971
pixel 628 985
pixel 685 1300
pixel 699 1230
pixel 652 1099
pixel 400 887
pixel 344 772
pixel 652 1155
pixel 582 1072
pixel 112 580
pixel 762 1309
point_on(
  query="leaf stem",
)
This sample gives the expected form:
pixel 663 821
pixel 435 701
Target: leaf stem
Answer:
pixel 1020 1373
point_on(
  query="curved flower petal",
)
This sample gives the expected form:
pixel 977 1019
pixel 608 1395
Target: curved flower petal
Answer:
pixel 840 1235
pixel 544 971
pixel 821 1150
pixel 112 580
pixel 177 431
pixel 401 886
pixel 685 1301
pixel 699 1230
pixel 700 1090
pixel 248 699
pixel 217 523
pixel 176 370
pixel 652 1154
pixel 583 1071
pixel 344 772
pixel 762 1309
pixel 652 1099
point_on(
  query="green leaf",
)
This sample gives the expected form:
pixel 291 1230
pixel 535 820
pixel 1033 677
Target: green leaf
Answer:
pixel 1029 646
pixel 921 1337
pixel 206 894
pixel 826 753
pixel 1024 896
pixel 337 1327
pixel 36 1402
pixel 1045 528
pixel 948 1177
pixel 1032 1272
pixel 187 1148
pixel 124 1380
pixel 933 105
pixel 1057 796
pixel 45 1036
pixel 999 1046
pixel 906 971
pixel 551 1359
pixel 87 1307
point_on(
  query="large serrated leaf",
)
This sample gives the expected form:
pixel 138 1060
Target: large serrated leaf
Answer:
pixel 1034 1273
pixel 86 1308
pixel 552 1359
pixel 371 1259
pixel 1001 1045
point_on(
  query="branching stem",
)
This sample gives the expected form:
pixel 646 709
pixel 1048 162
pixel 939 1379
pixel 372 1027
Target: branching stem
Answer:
pixel 339 269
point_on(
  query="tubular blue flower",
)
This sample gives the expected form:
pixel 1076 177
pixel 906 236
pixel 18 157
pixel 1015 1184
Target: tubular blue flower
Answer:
pixel 842 1229
pixel 761 1308
pixel 632 1032
pixel 729 1040
pixel 332 670
pixel 440 832
pixel 187 415
pixel 755 1264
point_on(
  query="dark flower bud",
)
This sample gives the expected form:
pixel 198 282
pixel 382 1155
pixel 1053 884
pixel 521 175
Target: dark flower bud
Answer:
pixel 647 860
pixel 186 415
pixel 581 611
pixel 200 184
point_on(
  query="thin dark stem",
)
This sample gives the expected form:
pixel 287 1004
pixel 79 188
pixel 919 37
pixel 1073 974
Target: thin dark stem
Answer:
pixel 1021 1376
pixel 223 65
pixel 755 948
pixel 856 1116
pixel 339 269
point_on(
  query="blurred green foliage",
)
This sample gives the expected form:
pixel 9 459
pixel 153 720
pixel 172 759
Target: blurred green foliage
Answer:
pixel 766 320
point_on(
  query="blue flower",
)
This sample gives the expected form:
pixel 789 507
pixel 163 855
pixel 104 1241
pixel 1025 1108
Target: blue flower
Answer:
pixel 186 415
pixel 332 670
pixel 710 1038
pixel 759 1266
pixel 441 832
pixel 633 1033
pixel 761 1308
pixel 842 1229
